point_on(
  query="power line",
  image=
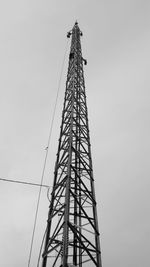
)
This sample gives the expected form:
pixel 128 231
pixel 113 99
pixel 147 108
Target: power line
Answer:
pixel 22 182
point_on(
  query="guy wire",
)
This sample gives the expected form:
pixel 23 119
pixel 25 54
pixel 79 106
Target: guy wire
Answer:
pixel 46 155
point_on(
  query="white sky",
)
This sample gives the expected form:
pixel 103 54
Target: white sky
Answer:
pixel 116 43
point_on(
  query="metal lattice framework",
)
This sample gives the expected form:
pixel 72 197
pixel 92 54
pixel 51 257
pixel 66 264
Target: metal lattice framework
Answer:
pixel 72 235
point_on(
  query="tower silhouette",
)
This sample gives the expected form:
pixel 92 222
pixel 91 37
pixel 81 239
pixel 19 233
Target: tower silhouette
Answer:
pixel 72 235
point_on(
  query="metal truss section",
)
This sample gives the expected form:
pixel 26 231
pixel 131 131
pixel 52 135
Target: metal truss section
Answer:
pixel 72 235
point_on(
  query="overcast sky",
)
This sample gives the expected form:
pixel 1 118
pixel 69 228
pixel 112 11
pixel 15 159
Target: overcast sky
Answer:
pixel 116 44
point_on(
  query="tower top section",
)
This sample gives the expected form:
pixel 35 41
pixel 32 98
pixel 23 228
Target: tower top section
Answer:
pixel 74 29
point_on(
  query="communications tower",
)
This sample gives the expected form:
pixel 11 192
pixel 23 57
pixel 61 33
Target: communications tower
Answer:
pixel 72 234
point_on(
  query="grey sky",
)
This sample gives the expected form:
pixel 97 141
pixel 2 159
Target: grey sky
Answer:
pixel 116 43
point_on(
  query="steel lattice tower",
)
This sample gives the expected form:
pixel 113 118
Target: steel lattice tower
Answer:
pixel 72 235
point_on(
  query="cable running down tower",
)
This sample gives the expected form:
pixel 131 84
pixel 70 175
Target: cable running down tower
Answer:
pixel 72 235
